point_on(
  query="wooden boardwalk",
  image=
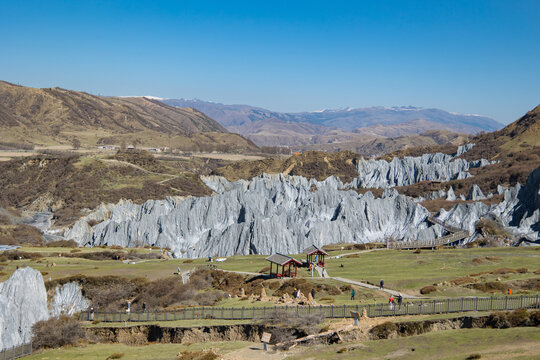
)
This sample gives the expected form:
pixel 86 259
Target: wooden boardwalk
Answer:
pixel 455 237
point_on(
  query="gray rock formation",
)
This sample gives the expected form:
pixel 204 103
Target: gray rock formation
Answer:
pixel 23 302
pixel 411 170
pixel 518 212
pixel 475 193
pixel 271 213
pixel 68 300
pixel 451 195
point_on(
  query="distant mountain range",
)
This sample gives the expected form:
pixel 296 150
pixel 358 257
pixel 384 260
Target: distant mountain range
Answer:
pixel 271 128
pixel 55 116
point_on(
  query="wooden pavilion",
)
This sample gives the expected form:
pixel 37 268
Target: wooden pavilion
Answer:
pixel 287 264
pixel 315 256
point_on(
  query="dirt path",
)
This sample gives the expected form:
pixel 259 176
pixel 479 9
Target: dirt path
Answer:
pixel 373 287
pixel 353 253
pixel 125 163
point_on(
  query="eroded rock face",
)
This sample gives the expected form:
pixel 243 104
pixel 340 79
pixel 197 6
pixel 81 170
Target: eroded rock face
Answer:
pixel 271 213
pixel 411 170
pixel 23 302
pixel 519 211
pixel 68 300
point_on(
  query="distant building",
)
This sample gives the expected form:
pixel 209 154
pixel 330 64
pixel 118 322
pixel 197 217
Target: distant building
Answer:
pixel 155 150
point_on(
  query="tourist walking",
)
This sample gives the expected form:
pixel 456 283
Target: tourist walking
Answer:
pixel 391 302
pixel 399 300
pixel 381 284
pixel 352 294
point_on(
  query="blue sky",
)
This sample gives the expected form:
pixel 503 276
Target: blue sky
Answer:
pixel 465 56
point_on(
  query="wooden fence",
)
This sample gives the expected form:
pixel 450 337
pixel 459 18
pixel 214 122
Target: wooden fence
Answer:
pixel 415 307
pixel 16 352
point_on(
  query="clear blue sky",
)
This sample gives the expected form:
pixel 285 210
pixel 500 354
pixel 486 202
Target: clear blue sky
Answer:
pixel 465 56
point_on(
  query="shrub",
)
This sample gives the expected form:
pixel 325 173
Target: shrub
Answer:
pixel 463 280
pixel 115 356
pixel 383 331
pixel 474 357
pixel 57 332
pixel 19 255
pixel 492 286
pixel 198 355
pixel 535 317
pixel 522 270
pixel 498 320
pixel 428 289
pixel 63 243
pixel 418 251
pixel 93 222
pixel 518 317
pixel 306 322
pixel 503 271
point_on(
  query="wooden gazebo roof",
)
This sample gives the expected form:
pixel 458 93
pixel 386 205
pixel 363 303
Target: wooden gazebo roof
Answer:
pixel 281 259
pixel 313 249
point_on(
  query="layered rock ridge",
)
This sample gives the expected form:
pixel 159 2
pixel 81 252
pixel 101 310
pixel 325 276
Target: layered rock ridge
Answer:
pixel 270 213
pixel 518 212
pixel 411 170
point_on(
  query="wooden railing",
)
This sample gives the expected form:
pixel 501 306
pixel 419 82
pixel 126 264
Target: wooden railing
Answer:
pixel 413 307
pixel 456 235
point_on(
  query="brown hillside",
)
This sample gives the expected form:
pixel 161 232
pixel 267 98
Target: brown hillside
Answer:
pixel 66 184
pixel 56 116
pixel 311 164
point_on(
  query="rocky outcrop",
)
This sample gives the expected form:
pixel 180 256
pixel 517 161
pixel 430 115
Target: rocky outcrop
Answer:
pixel 68 300
pixel 451 195
pixel 271 213
pixel 475 193
pixel 411 170
pixel 23 302
pixel 518 212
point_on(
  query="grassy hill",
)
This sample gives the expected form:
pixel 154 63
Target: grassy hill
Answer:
pixel 55 116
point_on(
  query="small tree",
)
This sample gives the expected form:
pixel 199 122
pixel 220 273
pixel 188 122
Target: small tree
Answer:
pixel 75 143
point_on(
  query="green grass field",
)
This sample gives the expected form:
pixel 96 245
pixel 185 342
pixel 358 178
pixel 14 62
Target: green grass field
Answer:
pixel 401 270
pixel 515 343
pixel 149 352
pixel 409 272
